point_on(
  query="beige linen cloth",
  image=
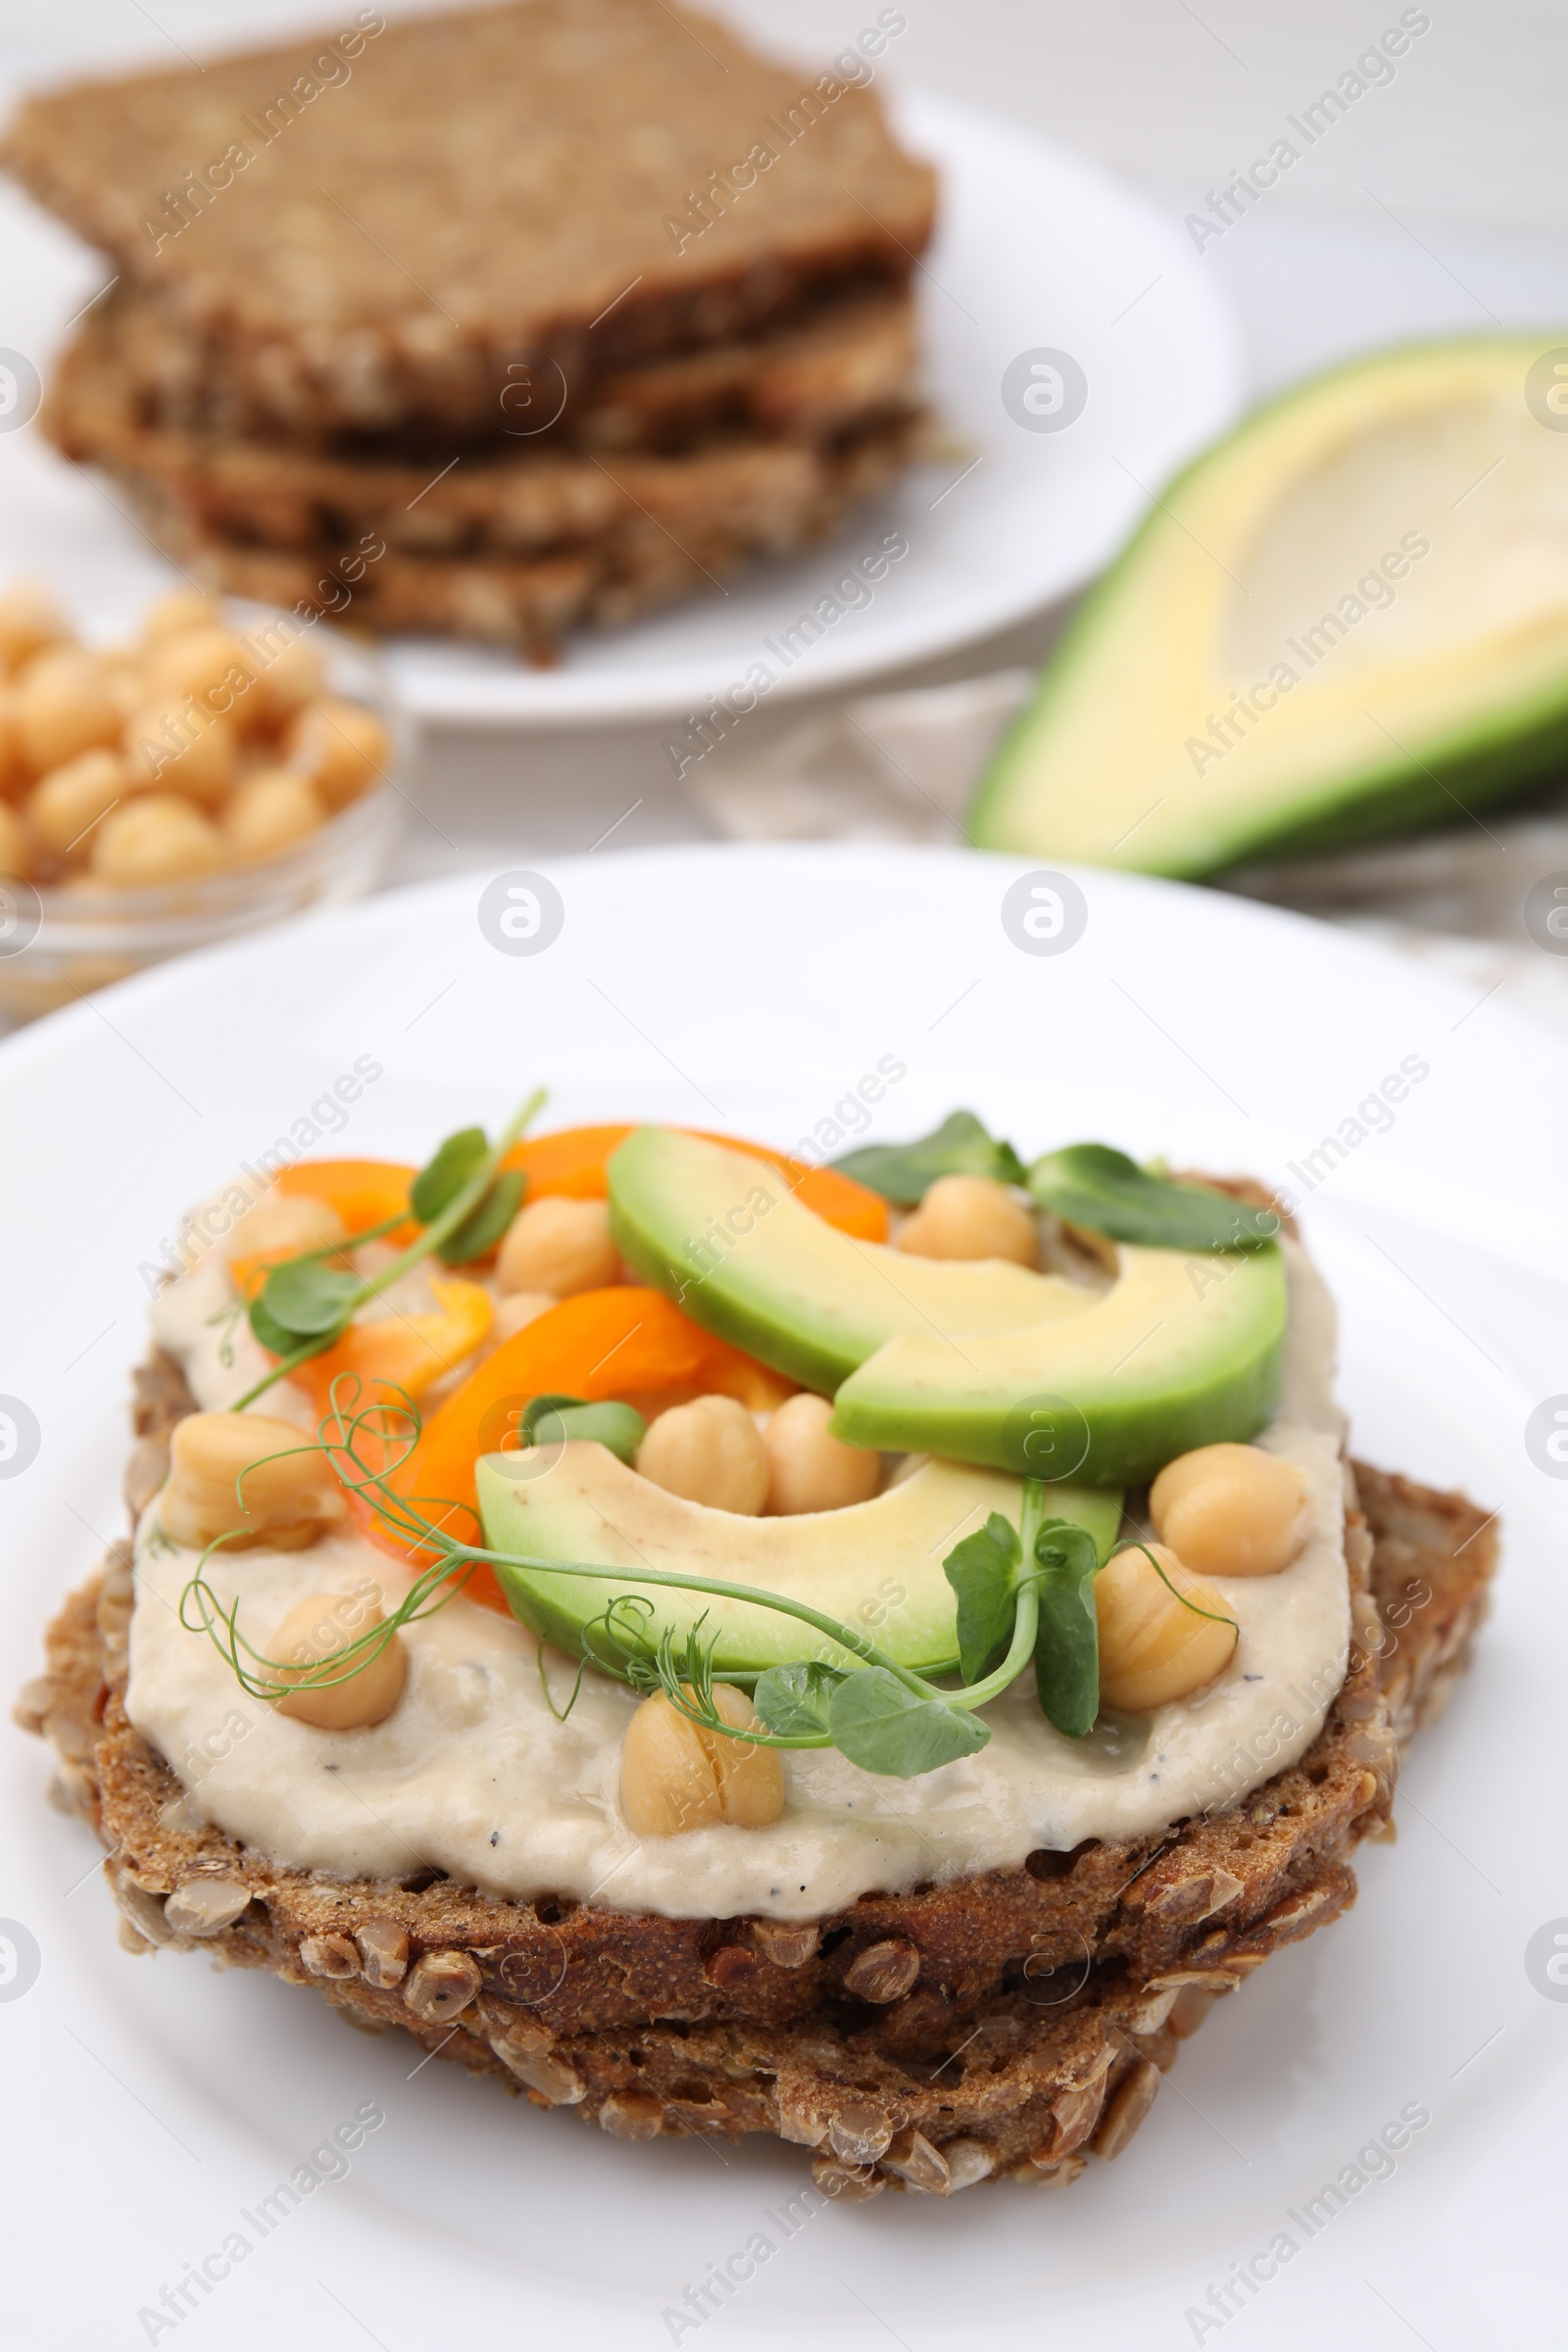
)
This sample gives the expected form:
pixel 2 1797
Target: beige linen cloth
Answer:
pixel 904 766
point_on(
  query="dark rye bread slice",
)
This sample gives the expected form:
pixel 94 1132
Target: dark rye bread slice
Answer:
pixel 854 356
pixel 349 234
pixel 525 497
pixel 997 2024
pixel 768 500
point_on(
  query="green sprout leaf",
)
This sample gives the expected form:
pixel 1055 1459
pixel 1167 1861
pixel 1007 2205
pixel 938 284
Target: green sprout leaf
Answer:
pixel 305 1303
pixel 797 1700
pixel 903 1173
pixel 880 1724
pixel 305 1299
pixel 441 1179
pixel 1101 1189
pixel 1067 1645
pixel 981 1571
pixel 484 1228
pixel 552 1420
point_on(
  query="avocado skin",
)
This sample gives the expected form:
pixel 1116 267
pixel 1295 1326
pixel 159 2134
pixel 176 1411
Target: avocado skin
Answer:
pixel 796 1353
pixel 814 1326
pixel 1476 765
pixel 1129 1443
pixel 1116 1430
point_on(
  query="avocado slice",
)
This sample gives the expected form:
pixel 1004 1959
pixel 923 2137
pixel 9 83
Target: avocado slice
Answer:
pixel 1183 1350
pixel 723 1235
pixel 876 1565
pixel 1348 618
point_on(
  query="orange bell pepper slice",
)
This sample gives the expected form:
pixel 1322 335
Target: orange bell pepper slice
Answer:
pixel 573 1161
pixel 410 1352
pixel 364 1192
pixel 626 1342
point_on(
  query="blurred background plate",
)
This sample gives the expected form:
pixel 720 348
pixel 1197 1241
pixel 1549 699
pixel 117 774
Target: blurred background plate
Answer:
pixel 749 989
pixel 1037 250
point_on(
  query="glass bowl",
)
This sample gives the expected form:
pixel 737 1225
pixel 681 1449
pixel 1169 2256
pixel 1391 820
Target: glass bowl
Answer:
pixel 56 944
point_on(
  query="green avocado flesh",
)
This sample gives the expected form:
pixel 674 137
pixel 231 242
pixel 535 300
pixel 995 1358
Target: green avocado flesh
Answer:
pixel 723 1235
pixel 876 1566
pixel 1348 618
pixel 1183 1350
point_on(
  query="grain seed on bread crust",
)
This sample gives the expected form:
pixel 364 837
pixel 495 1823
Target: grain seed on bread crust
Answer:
pixel 1045 2001
pixel 758 490
pixel 852 356
pixel 786 498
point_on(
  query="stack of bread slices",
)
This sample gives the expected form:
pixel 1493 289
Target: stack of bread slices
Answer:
pixel 504 320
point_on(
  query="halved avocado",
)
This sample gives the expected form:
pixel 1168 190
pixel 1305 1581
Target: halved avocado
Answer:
pixel 725 1237
pixel 1348 618
pixel 1183 1350
pixel 874 1565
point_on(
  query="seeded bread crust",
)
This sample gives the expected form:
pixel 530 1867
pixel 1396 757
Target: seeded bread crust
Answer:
pixel 854 357
pixel 1004 2023
pixel 481 186
pixel 770 499
pixel 758 489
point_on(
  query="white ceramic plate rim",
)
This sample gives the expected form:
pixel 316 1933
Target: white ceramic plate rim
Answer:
pixel 1331 2038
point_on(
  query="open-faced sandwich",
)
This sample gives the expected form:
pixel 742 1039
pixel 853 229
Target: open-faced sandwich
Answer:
pixel 861 1653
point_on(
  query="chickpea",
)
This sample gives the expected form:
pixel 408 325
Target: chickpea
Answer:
pixel 710 1451
pixel 178 613
pixel 312 1633
pixel 517 1310
pixel 289 1496
pixel 13 771
pixel 128 684
pixel 972 1216
pixel 14 854
pixel 177 749
pixel 155 840
pixel 295 674
pixel 675 1776
pixel 282 1225
pixel 208 665
pixel 1155 1645
pixel 1231 1510
pixel 341 747
pixel 810 1469
pixel 29 620
pixel 270 812
pixel 559 1246
pixel 64 706
pixel 67 803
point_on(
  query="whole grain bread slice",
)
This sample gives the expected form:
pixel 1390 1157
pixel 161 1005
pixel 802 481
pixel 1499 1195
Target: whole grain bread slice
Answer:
pixel 351 233
pixel 780 498
pixel 517 497
pixel 1001 2024
pixel 849 358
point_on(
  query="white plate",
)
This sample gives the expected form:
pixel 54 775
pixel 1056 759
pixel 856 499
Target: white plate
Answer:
pixel 1037 249
pixel 149 2101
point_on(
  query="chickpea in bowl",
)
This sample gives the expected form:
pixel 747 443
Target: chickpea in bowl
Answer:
pixel 203 778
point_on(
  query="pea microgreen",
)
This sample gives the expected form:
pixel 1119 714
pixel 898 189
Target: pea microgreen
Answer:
pixel 880 1724
pixel 982 1571
pixel 464 1200
pixel 903 1172
pixel 552 1420
pixel 1067 1645
pixel 795 1699
pixel 1026 1592
pixel 879 1714
pixel 1094 1186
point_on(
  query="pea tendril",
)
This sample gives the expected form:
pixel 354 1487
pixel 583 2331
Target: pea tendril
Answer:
pixel 879 1712
pixel 306 1303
